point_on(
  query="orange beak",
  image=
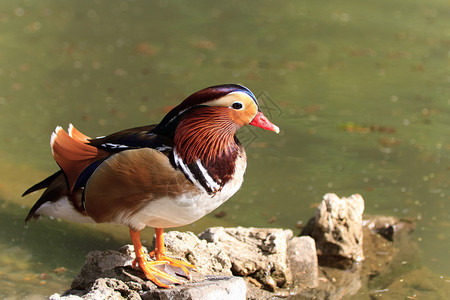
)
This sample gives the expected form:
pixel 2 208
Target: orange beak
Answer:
pixel 261 121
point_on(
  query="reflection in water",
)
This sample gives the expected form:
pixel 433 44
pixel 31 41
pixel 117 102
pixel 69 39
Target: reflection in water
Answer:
pixel 359 90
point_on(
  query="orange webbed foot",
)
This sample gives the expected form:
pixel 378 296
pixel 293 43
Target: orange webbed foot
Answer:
pixel 163 270
pixel 180 267
pixel 157 272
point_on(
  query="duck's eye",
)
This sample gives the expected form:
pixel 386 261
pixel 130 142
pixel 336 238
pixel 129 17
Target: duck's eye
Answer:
pixel 237 105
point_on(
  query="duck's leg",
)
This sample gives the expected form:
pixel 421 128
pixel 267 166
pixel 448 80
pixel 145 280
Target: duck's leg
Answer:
pixel 152 273
pixel 160 255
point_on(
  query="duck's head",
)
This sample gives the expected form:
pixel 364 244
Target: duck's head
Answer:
pixel 235 103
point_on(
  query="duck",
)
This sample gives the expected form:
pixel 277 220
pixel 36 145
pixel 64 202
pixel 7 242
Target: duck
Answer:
pixel 165 175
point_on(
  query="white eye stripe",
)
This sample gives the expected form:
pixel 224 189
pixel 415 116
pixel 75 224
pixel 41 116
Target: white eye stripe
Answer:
pixel 229 99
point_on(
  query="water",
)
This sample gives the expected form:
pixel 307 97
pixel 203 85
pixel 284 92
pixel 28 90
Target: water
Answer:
pixel 360 91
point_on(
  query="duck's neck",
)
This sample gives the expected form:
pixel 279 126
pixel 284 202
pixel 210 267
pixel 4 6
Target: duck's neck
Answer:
pixel 206 136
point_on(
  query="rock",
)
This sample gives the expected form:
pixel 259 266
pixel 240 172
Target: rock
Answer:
pixel 57 296
pixel 388 243
pixel 393 264
pixel 214 287
pixel 303 263
pixel 255 292
pixel 102 288
pixel 385 262
pixel 274 263
pixel 263 256
pixel 109 274
pixel 337 230
pixel 110 288
pixel 102 264
pixel 255 252
pixel 387 259
pixel 208 257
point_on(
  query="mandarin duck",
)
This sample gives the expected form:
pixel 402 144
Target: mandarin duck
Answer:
pixel 165 175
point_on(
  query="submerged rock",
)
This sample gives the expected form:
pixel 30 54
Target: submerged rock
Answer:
pixel 384 261
pixel 383 225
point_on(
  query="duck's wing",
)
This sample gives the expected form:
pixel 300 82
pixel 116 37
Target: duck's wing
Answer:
pixel 127 181
pixel 79 156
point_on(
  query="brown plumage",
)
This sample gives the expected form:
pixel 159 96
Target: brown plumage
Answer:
pixel 145 172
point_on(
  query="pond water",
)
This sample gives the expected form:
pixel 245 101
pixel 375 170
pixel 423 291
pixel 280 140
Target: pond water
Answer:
pixel 360 90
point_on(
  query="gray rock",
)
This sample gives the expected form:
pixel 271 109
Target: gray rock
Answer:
pixel 386 262
pixel 102 264
pixel 109 274
pixel 57 296
pixel 337 228
pixel 110 288
pixel 214 287
pixel 268 259
pixel 257 252
pixel 303 262
pixel 207 257
pixel 102 288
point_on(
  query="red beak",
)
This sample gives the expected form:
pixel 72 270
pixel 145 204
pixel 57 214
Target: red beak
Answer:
pixel 261 121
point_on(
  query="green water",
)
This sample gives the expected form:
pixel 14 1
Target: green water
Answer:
pixel 361 91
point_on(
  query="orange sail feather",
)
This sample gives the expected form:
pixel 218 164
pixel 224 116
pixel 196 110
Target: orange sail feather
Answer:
pixel 73 154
